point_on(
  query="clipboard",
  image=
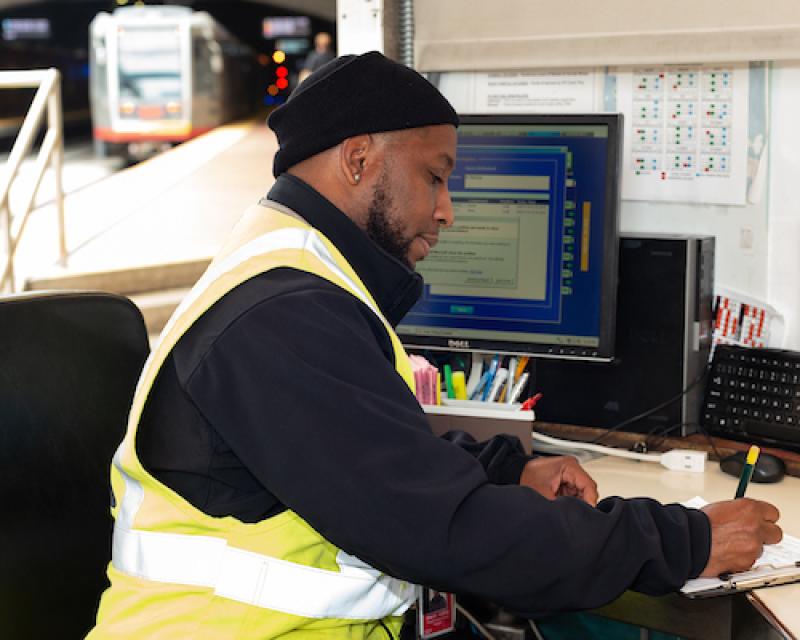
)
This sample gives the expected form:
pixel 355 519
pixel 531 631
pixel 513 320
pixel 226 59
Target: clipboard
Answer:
pixel 778 564
pixel 761 576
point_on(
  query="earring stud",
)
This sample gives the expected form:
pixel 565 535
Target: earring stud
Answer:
pixel 357 177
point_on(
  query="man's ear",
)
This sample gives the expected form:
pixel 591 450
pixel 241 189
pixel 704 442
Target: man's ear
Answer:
pixel 355 156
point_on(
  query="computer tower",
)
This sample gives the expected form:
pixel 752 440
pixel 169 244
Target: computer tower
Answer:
pixel 663 339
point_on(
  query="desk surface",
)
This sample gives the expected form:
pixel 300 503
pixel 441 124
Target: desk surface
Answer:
pixel 627 478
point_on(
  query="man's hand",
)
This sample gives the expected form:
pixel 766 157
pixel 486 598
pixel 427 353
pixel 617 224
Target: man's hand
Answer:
pixel 739 530
pixel 559 476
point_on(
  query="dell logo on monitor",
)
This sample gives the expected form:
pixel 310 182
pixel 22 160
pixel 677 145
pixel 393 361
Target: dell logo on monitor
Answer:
pixel 458 344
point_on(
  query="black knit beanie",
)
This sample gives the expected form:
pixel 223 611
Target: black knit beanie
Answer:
pixel 349 96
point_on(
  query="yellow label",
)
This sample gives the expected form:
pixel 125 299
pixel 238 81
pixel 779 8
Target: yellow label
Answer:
pixel 587 219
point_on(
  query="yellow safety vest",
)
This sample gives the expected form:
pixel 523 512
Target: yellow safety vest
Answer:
pixel 177 572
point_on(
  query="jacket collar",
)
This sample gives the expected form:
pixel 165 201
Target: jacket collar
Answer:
pixel 394 286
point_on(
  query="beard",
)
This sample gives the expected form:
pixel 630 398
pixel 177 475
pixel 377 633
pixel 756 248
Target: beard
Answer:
pixel 382 227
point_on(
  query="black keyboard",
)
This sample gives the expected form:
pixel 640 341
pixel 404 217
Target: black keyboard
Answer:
pixel 754 395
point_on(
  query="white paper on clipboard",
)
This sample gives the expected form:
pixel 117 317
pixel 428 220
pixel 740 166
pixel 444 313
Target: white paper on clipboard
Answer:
pixel 778 564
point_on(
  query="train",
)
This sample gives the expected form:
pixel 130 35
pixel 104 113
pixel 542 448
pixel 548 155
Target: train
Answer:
pixel 163 74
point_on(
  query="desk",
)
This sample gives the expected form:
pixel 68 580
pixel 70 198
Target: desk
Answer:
pixel 779 605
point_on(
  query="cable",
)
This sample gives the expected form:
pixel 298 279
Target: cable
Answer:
pixel 659 432
pixel 481 629
pixel 710 440
pixel 675 459
pixel 700 428
pixel 405 31
pixel 535 630
pixel 658 407
pixel 589 446
pixel 386 629
pixel 652 410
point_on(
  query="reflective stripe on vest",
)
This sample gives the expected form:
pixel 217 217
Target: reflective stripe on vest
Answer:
pixel 357 591
pixel 306 239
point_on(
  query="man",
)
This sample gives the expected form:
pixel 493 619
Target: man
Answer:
pixel 279 479
pixel 319 56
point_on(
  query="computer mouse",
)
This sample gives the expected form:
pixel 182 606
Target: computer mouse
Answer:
pixel 768 468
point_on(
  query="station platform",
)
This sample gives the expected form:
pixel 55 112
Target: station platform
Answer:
pixel 150 230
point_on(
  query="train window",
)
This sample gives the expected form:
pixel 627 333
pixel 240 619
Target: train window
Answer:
pixel 149 64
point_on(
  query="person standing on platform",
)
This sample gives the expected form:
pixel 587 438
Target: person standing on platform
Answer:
pixel 321 54
pixel 279 479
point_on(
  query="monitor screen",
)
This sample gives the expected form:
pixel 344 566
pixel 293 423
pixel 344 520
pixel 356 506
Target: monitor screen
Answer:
pixel 530 263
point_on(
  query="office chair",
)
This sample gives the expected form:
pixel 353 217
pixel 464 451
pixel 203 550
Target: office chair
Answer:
pixel 69 362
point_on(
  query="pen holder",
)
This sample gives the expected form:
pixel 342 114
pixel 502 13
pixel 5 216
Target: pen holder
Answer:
pixel 482 420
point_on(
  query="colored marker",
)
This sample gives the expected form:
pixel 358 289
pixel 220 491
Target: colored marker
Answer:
pixel 476 395
pixel 521 364
pixel 490 380
pixel 512 371
pixel 530 403
pixel 519 387
pixel 475 374
pixel 459 385
pixel 448 381
pixel 747 471
pixel 497 384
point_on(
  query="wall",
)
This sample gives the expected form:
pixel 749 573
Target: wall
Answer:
pixel 783 246
pixel 515 34
pixel 769 268
pixel 741 231
pixel 359 26
pixel 757 244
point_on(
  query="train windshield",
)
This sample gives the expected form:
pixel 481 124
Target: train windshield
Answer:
pixel 149 64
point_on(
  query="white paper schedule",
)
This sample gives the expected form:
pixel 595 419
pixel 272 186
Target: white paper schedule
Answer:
pixel 685 133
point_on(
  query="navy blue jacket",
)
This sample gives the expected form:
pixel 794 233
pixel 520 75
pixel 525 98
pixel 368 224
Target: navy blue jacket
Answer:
pixel 284 395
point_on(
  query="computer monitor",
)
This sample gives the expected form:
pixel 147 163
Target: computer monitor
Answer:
pixel 530 264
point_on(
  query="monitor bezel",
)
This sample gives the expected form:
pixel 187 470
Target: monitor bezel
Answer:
pixel 604 351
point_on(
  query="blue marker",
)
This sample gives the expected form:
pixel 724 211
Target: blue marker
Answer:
pixel 481 385
pixel 492 372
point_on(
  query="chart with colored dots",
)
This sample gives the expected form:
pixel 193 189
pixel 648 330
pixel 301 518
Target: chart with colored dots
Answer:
pixel 686 133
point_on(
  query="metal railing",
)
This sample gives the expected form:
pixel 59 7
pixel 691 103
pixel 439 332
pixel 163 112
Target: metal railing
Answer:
pixel 51 153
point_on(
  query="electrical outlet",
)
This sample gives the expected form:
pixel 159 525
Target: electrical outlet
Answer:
pixel 685 460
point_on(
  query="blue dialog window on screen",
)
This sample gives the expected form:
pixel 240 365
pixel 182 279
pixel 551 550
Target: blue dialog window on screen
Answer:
pixel 524 266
